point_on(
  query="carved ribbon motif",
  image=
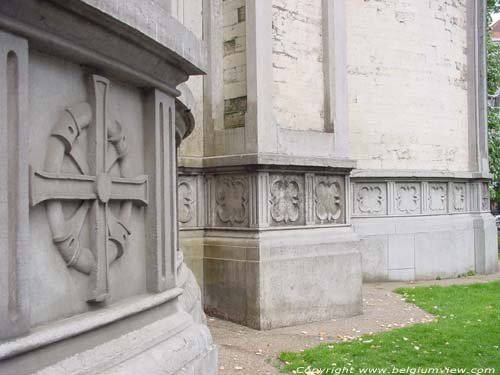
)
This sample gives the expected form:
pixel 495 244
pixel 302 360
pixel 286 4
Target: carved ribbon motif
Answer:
pixel 95 187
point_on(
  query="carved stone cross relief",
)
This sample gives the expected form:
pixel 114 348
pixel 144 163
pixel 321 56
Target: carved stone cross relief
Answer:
pixel 95 187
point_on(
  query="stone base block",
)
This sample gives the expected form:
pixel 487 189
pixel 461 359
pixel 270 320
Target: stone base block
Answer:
pixel 152 334
pixel 427 247
pixel 273 279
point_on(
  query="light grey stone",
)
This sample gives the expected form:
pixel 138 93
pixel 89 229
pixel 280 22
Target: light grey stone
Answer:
pixel 14 203
pixel 278 279
pixel 426 247
pixel 100 287
pixel 444 254
pixel 486 244
pixel 401 252
pixel 374 255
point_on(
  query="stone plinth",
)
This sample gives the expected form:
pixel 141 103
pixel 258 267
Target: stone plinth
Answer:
pixel 277 247
pixel 93 280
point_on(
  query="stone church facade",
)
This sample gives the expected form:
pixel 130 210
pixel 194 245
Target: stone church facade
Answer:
pixel 284 151
pixel 341 142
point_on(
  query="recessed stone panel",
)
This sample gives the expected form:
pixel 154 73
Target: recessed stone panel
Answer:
pixel 437 197
pixel 286 199
pixel 187 201
pixel 329 199
pixel 231 200
pixel 369 199
pixel 407 197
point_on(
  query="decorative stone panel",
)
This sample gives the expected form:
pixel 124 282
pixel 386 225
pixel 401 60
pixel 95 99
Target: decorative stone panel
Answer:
pixel 329 199
pixel 260 199
pixel 286 198
pixel 187 201
pixel 231 201
pixel 437 194
pixel 407 198
pixel 369 199
pixel 457 194
pixel 418 197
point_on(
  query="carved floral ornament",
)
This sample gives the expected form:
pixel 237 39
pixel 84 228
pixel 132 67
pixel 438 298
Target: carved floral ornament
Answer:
pixel 459 197
pixel 328 201
pixel 186 202
pixel 94 187
pixel 231 200
pixel 437 197
pixel 285 201
pixel 370 199
pixel 407 198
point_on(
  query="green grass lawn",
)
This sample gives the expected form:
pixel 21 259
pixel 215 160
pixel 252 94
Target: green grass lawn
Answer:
pixel 466 334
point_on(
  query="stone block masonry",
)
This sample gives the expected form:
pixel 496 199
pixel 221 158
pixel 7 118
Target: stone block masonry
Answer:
pixel 235 86
pixel 407 82
pixel 298 81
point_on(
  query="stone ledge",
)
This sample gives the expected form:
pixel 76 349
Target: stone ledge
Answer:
pixel 397 173
pixel 170 346
pixel 61 330
pixel 265 160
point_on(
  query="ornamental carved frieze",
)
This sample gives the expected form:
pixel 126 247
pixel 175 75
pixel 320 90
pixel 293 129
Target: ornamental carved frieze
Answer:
pixel 458 197
pixel 370 199
pixel 408 198
pixel 231 201
pixel 437 197
pixel 286 200
pixel 328 200
pixel 186 201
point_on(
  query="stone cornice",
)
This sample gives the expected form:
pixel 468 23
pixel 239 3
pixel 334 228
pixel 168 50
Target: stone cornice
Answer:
pixel 430 174
pixel 102 37
pixel 265 160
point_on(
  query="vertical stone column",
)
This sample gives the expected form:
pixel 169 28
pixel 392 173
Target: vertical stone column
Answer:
pixel 14 205
pixel 335 71
pixel 260 130
pixel 213 89
pixel 477 95
pixel 161 165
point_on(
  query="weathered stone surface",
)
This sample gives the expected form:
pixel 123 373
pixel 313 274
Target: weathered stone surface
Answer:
pixel 408 84
pixel 279 279
pixel 94 281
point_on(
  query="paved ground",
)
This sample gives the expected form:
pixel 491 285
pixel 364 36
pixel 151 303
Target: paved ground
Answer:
pixel 244 351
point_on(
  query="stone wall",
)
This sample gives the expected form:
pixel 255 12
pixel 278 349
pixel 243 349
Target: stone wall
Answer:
pixel 407 79
pixel 298 84
pixel 235 71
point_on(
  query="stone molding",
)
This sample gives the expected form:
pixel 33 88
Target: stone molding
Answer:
pixel 130 55
pixel 276 197
pixel 415 197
